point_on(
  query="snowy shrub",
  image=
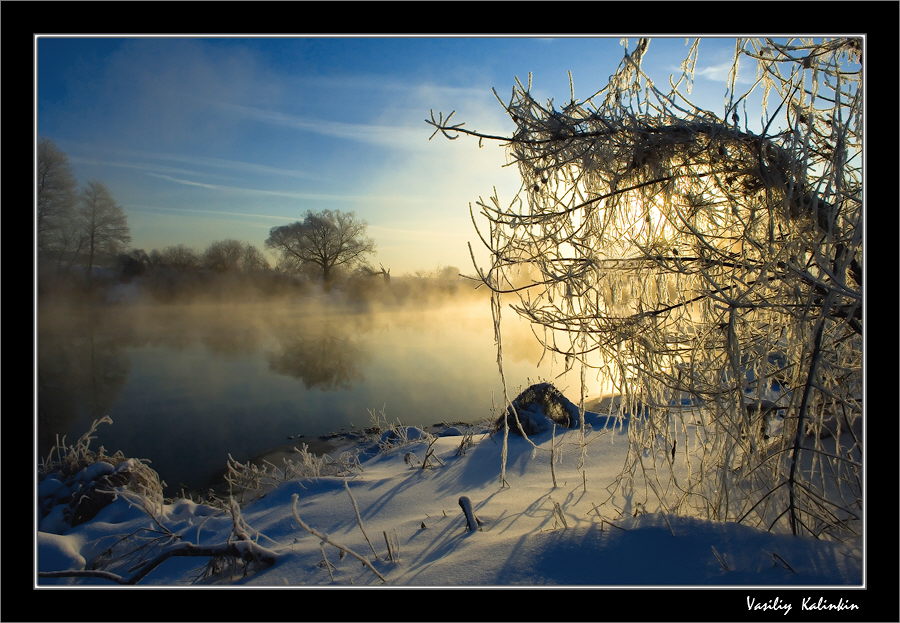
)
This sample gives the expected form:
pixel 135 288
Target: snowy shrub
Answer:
pixel 76 482
pixel 251 480
pixel 386 436
pixel 466 441
pixel 401 435
pixel 537 408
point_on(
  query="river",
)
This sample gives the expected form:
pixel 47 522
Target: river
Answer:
pixel 187 385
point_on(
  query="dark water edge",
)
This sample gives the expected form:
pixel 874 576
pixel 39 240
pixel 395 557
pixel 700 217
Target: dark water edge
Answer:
pixel 186 386
pixel 332 444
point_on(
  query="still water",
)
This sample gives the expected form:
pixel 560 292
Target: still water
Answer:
pixel 187 385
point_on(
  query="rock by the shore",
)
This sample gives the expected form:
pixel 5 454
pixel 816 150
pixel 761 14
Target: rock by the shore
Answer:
pixel 537 409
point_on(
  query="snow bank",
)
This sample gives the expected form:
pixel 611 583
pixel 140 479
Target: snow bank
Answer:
pixel 411 529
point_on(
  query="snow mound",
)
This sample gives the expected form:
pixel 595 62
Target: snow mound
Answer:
pixel 58 553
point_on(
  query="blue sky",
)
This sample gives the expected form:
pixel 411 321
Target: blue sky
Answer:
pixel 201 139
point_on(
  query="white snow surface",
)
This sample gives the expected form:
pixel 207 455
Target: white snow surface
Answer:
pixel 531 533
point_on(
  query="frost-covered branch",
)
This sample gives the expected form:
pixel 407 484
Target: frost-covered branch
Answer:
pixel 247 551
pixel 692 256
pixel 295 499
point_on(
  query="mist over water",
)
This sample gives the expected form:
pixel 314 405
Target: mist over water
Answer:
pixel 186 385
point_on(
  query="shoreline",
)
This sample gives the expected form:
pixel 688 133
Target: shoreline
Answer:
pixel 332 444
pixel 343 441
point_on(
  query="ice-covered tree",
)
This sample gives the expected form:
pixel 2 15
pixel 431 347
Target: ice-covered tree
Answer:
pixel 710 259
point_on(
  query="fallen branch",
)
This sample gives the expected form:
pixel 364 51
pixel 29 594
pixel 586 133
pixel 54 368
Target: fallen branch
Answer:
pixel 248 551
pixel 430 454
pixel 321 535
pixel 85 573
pixel 359 520
pixel 720 558
pixel 783 562
pixel 393 548
pixel 559 513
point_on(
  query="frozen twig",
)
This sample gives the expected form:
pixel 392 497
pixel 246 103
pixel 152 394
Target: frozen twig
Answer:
pixel 248 551
pixel 359 520
pixel 324 537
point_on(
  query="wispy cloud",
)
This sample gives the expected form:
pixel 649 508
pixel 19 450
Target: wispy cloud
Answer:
pixel 397 88
pixel 289 193
pixel 137 166
pixel 212 213
pixel 142 161
pixel 231 165
pixel 256 191
pixel 376 134
pixel 719 73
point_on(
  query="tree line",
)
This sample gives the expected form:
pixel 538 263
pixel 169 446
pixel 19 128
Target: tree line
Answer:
pixel 81 230
pixel 84 233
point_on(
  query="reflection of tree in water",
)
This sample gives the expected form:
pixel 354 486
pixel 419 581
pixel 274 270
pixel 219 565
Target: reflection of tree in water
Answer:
pixel 79 377
pixel 325 360
pixel 231 341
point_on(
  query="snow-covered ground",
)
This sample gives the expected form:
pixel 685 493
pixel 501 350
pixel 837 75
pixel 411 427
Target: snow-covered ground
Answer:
pixel 407 523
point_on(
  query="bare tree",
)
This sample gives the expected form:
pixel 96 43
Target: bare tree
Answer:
pixel 179 257
pixel 326 240
pixel 233 256
pixel 56 197
pixel 709 267
pixel 102 225
pixel 253 260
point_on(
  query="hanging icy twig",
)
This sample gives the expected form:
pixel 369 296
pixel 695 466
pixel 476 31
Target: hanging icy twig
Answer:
pixel 695 257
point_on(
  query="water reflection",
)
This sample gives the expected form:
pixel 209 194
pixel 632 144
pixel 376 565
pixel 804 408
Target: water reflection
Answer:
pixel 80 376
pixel 188 385
pixel 328 360
pixel 232 341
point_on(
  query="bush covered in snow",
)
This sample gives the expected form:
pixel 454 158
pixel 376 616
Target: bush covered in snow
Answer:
pixel 537 408
pixel 76 482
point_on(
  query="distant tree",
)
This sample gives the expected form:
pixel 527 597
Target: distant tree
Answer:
pixel 101 224
pixel 56 196
pixel 223 256
pixel 326 240
pixel 233 256
pixel 179 257
pixel 368 271
pixel 132 263
pixel 155 259
pixel 253 259
pixel 448 273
